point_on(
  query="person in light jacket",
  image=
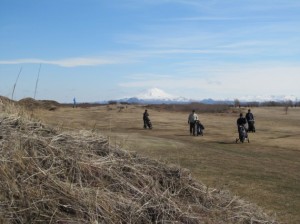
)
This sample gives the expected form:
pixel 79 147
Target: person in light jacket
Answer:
pixel 193 117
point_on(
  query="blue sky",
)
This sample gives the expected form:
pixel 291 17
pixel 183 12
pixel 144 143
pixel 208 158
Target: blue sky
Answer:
pixel 110 49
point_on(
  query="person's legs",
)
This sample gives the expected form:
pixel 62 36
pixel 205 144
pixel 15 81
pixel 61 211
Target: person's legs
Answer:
pixel 239 131
pixel 192 126
pixel 195 129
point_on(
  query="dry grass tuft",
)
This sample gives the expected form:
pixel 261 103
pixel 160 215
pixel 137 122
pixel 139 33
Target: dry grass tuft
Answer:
pixel 49 176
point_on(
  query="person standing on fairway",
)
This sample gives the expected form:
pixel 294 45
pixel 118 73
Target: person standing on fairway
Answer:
pixel 193 117
pixel 74 102
pixel 250 120
pixel 249 116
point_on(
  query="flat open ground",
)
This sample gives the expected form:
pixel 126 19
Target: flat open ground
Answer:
pixel 264 171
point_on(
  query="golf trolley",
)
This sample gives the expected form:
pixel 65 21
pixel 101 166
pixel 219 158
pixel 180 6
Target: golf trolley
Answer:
pixel 147 123
pixel 198 128
pixel 243 136
pixel 251 127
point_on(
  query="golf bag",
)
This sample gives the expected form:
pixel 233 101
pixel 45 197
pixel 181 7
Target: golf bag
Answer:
pixel 242 134
pixel 251 127
pixel 198 128
pixel 147 123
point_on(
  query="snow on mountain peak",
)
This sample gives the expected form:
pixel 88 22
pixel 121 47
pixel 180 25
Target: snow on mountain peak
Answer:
pixel 265 98
pixel 155 94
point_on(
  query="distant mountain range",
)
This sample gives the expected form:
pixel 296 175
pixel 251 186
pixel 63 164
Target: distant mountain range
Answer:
pixel 158 96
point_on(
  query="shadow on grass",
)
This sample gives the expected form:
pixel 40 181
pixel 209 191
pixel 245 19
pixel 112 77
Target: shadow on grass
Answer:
pixel 227 143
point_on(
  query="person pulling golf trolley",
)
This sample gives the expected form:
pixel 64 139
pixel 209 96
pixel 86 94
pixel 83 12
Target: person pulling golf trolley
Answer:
pixel 146 119
pixel 196 128
pixel 243 135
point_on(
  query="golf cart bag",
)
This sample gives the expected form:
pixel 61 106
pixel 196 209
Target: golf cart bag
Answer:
pixel 147 123
pixel 251 127
pixel 242 134
pixel 198 129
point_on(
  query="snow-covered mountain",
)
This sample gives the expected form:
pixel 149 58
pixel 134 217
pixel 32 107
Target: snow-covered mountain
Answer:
pixel 155 96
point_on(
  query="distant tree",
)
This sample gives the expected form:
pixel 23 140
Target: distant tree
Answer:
pixel 112 102
pixel 253 104
pixel 237 103
pixel 270 104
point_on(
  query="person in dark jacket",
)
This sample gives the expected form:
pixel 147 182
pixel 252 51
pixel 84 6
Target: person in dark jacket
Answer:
pixel 249 116
pixel 146 120
pixel 241 121
pixel 250 121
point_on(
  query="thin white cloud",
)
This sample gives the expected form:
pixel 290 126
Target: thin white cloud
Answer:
pixel 143 76
pixel 207 18
pixel 259 39
pixel 250 43
pixel 145 3
pixel 68 62
pixel 180 51
pixel 121 58
pixel 171 83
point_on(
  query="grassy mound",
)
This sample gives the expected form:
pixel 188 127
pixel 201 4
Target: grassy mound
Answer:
pixel 50 176
pixel 30 103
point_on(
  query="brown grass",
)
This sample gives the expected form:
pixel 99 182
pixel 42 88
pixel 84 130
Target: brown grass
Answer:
pixel 265 171
pixel 52 176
